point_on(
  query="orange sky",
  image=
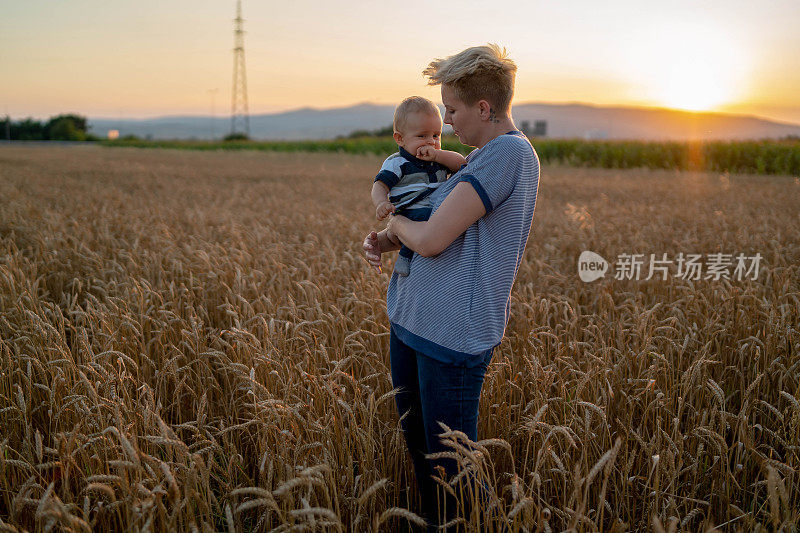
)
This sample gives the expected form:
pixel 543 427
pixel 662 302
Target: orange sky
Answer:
pixel 148 58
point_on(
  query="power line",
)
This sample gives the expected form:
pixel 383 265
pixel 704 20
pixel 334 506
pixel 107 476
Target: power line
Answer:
pixel 240 115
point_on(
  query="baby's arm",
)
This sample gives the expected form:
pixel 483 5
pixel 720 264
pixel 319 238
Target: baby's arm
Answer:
pixel 380 199
pixel 452 160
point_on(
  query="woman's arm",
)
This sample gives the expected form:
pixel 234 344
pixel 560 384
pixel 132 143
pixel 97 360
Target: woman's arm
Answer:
pixel 377 243
pixel 462 208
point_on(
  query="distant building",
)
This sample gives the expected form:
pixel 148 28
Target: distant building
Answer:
pixel 113 134
pixel 539 128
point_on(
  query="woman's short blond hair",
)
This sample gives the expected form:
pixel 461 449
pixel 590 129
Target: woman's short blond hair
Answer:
pixel 413 104
pixel 478 73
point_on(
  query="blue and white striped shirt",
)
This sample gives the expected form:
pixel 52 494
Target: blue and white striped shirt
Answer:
pixel 454 306
pixel 411 180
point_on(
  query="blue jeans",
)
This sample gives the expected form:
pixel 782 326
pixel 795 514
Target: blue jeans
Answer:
pixel 431 391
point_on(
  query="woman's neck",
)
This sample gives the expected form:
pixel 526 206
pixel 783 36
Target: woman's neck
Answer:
pixel 496 129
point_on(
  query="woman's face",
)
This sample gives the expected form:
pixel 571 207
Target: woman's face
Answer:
pixel 466 120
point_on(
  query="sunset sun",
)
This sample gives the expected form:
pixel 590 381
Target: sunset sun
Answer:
pixel 696 86
pixel 691 68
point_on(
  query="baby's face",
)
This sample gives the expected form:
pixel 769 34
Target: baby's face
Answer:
pixel 421 129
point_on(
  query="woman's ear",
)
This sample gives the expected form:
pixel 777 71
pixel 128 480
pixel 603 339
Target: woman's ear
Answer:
pixel 484 109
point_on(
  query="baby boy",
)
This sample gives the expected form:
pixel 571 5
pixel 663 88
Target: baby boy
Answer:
pixel 408 177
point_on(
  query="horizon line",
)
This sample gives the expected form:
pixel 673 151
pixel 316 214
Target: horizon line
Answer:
pixel 378 104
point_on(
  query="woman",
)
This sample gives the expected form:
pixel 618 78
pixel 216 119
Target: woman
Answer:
pixel 451 311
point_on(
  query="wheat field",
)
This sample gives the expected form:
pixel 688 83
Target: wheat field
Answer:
pixel 191 341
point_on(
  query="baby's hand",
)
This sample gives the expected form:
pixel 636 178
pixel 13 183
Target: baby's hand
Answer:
pixel 427 153
pixel 383 210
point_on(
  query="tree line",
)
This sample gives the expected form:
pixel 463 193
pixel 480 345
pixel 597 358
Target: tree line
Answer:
pixel 65 127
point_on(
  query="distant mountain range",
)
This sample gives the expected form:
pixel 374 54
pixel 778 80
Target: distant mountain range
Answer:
pixel 563 121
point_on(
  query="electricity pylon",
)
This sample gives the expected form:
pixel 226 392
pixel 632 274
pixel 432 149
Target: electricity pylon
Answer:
pixel 240 116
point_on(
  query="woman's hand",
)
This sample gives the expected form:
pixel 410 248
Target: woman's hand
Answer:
pixel 377 243
pixel 372 250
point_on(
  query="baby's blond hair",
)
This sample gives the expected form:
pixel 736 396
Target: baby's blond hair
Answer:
pixel 478 73
pixel 413 104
